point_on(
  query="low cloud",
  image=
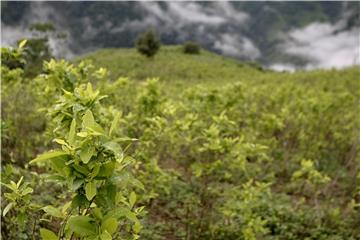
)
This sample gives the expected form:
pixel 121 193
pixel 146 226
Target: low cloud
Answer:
pixel 227 10
pixel 39 12
pixel 213 25
pixel 182 14
pixel 188 12
pixel 9 34
pixel 325 45
pixel 279 67
pixel 233 45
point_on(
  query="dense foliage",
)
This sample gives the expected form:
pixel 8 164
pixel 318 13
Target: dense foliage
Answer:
pixel 191 48
pixel 267 156
pixel 148 43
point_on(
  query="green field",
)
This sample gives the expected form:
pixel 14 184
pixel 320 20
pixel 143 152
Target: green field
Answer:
pixel 210 147
pixel 174 68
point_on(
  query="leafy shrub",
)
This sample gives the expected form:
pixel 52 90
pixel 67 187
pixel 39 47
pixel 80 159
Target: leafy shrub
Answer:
pixel 148 43
pixel 90 163
pixel 191 48
pixel 19 118
pixel 13 58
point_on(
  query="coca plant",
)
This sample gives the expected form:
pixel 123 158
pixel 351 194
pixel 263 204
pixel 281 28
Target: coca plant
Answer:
pixel 91 164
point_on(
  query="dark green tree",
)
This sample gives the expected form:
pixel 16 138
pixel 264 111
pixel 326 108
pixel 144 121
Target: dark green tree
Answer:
pixel 37 48
pixel 148 43
pixel 191 47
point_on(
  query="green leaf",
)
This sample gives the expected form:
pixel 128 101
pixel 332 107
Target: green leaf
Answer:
pixel 107 195
pixel 116 149
pixel 22 43
pixel 27 191
pixel 14 186
pixel 72 132
pixel 114 123
pixel 125 139
pixel 65 207
pixel 7 208
pixel 110 225
pixel 76 184
pixel 95 171
pixel 82 225
pixel 82 134
pixel 137 227
pixel 96 130
pixel 59 141
pixel 86 153
pixel 19 182
pixel 90 124
pixel 53 211
pixel 48 155
pixel 88 120
pixel 78 200
pixel 106 169
pixel 59 165
pixel 131 216
pixel 132 199
pixel 90 190
pixel 97 213
pixel 105 236
pixel 47 234
pixel 89 89
pixel 81 169
pixel 137 183
pixel 11 187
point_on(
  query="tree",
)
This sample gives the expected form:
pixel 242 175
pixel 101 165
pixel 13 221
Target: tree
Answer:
pixel 148 43
pixel 37 48
pixel 191 48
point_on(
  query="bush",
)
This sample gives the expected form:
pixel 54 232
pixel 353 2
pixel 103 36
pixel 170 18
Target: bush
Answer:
pixel 148 43
pixel 191 48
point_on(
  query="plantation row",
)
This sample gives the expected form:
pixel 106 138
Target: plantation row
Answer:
pixel 87 158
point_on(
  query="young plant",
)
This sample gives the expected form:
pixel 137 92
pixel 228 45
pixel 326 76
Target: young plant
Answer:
pixel 241 210
pixel 13 58
pixel 310 180
pixel 91 163
pixel 19 213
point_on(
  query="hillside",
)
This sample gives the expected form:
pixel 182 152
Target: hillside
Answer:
pixel 173 67
pixel 177 147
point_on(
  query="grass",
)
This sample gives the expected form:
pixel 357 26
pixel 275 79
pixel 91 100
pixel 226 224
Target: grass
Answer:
pixel 171 65
pixel 177 70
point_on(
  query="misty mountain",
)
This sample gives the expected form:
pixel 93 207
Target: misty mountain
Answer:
pixel 282 35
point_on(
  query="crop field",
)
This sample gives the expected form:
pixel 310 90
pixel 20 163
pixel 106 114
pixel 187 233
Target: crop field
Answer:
pixel 114 145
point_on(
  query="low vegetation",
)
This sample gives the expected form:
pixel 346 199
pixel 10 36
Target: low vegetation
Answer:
pixel 211 149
